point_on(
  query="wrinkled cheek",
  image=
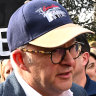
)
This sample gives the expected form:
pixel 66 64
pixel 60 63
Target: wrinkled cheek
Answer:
pixel 74 65
pixel 50 83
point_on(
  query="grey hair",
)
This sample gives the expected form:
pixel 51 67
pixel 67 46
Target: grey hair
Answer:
pixel 25 46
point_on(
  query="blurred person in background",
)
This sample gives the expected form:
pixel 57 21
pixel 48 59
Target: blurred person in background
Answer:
pixel 79 72
pixel 91 66
pixel 5 69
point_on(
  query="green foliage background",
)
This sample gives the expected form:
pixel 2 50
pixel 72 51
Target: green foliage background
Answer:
pixel 76 6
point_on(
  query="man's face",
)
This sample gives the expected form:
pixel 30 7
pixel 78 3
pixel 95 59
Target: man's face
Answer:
pixel 52 78
pixel 7 68
pixel 78 67
pixel 91 68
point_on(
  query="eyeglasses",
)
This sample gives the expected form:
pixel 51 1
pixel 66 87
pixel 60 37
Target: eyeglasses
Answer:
pixel 57 55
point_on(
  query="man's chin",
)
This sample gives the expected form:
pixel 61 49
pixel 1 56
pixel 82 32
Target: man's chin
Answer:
pixel 64 85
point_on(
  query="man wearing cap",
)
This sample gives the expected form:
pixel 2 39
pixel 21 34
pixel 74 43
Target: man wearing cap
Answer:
pixel 41 38
pixel 79 72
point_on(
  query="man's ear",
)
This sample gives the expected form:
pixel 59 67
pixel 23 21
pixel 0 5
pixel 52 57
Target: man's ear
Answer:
pixel 18 59
pixel 85 58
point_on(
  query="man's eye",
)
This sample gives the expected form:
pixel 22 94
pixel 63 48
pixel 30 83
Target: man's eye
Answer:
pixel 90 66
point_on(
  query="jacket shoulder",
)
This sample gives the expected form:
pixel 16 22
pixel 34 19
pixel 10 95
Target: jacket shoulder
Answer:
pixel 90 87
pixel 78 90
pixel 1 88
pixel 11 87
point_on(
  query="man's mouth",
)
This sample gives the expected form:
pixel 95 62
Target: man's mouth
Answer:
pixel 65 75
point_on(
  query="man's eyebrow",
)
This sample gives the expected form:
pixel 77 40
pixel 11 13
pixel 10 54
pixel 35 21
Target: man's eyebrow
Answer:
pixel 88 66
pixel 91 63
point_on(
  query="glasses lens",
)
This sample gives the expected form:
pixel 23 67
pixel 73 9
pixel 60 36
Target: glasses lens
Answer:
pixel 75 50
pixel 57 55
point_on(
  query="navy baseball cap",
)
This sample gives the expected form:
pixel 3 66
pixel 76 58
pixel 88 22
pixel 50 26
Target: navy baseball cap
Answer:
pixel 43 23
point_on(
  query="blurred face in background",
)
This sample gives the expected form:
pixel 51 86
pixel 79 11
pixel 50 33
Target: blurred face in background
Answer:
pixel 6 69
pixel 78 69
pixel 91 68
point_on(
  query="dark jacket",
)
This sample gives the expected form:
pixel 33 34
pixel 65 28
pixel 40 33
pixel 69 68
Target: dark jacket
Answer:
pixel 11 87
pixel 78 90
pixel 90 87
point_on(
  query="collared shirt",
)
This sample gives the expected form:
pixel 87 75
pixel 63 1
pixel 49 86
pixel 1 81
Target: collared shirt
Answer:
pixel 29 91
pixel 67 93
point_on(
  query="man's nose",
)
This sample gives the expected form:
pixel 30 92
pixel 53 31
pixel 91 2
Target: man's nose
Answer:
pixel 68 59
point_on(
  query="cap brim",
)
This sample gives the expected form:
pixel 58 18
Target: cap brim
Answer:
pixel 59 36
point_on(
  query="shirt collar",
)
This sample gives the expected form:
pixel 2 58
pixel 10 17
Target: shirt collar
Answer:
pixel 29 91
pixel 67 93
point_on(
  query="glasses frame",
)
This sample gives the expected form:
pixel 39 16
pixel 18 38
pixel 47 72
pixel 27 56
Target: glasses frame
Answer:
pixel 51 52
